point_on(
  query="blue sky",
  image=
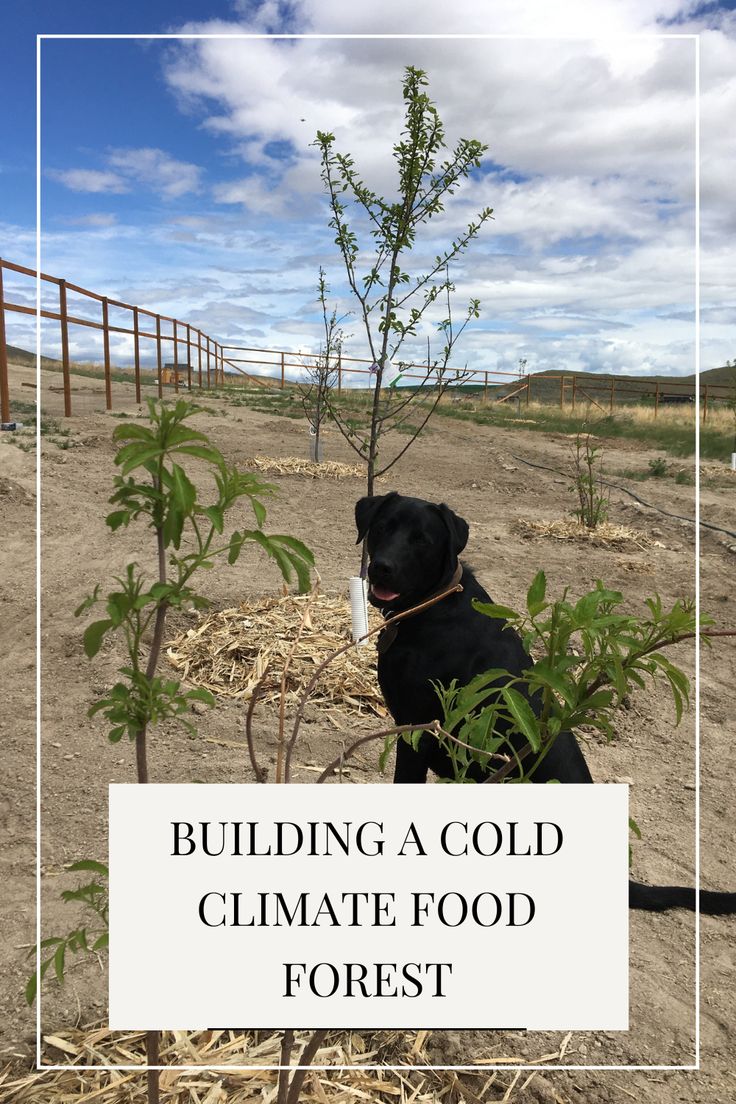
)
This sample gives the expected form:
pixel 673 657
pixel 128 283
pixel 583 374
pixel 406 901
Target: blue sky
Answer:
pixel 179 175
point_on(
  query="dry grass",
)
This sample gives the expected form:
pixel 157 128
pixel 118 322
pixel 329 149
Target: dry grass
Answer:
pixel 294 465
pixel 229 650
pixel 719 417
pixel 354 1082
pixel 605 535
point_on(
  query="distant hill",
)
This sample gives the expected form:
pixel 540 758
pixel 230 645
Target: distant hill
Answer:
pixel 712 376
pixel 722 378
pixel 28 360
pixel 721 383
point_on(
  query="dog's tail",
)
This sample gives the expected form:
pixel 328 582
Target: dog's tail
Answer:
pixel 659 898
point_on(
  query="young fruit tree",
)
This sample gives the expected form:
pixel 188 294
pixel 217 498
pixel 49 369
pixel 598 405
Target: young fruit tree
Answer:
pixel 392 300
pixel 323 373
pixel 588 482
pixel 188 535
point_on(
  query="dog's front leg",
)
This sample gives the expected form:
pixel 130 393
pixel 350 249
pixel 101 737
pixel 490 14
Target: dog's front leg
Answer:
pixel 411 766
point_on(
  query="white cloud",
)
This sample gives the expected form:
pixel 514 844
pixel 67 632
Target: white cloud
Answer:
pixel 151 168
pixel 589 261
pixel 89 180
pixel 254 194
pixel 155 169
pixel 95 219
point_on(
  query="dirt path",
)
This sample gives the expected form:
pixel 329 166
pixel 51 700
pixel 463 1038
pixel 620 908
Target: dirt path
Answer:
pixel 478 471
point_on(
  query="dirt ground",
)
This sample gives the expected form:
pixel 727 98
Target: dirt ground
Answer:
pixel 480 472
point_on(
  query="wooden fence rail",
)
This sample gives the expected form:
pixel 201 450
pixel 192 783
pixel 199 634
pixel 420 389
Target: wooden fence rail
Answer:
pixel 214 357
pixel 176 340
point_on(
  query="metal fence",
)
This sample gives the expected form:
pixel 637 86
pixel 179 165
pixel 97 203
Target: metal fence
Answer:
pixel 188 358
pixel 146 325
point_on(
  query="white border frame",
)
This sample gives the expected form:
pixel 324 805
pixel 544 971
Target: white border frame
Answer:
pixel 486 1067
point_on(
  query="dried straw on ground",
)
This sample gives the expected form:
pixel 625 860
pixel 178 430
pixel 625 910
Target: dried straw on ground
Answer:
pixel 294 465
pixel 354 1082
pixel 604 535
pixel 228 651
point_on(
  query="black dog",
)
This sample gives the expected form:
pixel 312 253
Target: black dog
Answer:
pixel 414 548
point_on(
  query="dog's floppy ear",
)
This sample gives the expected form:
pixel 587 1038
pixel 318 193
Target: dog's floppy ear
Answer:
pixel 457 526
pixel 366 510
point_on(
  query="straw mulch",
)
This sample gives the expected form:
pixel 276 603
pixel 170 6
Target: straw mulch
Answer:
pixel 229 650
pixel 346 1085
pixel 605 535
pixel 294 465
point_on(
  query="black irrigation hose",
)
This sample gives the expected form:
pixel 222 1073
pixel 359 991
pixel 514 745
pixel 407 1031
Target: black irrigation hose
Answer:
pixel 616 487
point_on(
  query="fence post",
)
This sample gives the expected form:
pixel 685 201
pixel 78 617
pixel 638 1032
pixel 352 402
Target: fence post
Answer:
pixel 159 360
pixel 209 381
pixel 705 403
pixel 4 385
pixel 222 364
pixel 574 390
pixel 176 360
pixel 137 352
pixel 656 399
pixel 282 370
pixel 65 349
pixel 106 352
pixel 189 356
pixel 199 357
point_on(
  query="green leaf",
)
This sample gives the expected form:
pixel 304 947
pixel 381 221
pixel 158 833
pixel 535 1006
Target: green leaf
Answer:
pixel 203 452
pixel 136 456
pixel 118 518
pixel 131 432
pixel 88 602
pixel 214 513
pixel 101 941
pixel 236 546
pixel 201 695
pixel 548 676
pixel 523 715
pixel 93 635
pixel 90 864
pixel 388 747
pixel 59 961
pixel 184 491
pixel 259 510
pixel 535 595
pixel 31 987
pixel 492 609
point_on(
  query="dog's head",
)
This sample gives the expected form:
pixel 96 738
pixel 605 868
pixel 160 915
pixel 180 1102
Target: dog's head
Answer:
pixel 413 547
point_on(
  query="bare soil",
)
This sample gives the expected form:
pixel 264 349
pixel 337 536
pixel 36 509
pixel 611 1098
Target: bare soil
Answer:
pixel 480 472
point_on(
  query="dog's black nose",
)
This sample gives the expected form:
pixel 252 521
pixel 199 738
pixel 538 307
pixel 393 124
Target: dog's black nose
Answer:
pixel 381 569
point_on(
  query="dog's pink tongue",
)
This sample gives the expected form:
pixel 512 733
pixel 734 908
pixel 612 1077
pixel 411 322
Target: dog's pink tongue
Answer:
pixel 382 594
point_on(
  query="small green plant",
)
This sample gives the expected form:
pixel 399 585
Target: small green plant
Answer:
pixel 683 476
pixel 94 896
pixel 591 656
pixel 188 535
pixel 658 467
pixel 162 494
pixel 593 496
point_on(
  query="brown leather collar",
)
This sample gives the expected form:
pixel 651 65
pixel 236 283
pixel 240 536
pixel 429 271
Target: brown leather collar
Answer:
pixel 386 637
